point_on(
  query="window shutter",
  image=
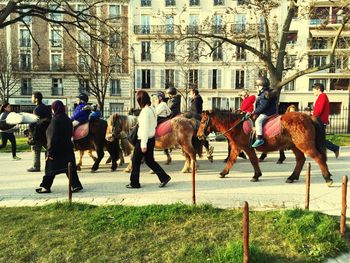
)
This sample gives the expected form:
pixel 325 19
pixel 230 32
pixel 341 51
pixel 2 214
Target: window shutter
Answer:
pixel 200 79
pixel 210 104
pixel 153 79
pixel 233 74
pixel 210 79
pixel 138 79
pixel 177 79
pixel 162 79
pixel 219 78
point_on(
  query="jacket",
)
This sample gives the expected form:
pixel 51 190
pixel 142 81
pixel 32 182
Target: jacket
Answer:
pixel 174 104
pixel 265 104
pixel 197 105
pixel 4 127
pixel 79 114
pixel 248 104
pixel 321 108
pixel 42 111
pixel 147 125
pixel 59 143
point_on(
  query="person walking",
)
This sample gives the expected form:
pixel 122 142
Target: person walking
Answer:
pixel 321 110
pixel 44 114
pixel 59 150
pixel 144 146
pixel 174 102
pixel 7 135
pixel 265 106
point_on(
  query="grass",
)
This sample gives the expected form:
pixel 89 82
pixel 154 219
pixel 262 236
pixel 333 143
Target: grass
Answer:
pixel 340 139
pixel 22 145
pixel 173 233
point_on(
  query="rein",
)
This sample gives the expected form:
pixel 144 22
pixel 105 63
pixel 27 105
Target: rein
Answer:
pixel 223 133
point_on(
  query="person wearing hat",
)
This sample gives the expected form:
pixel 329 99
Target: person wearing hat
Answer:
pixel 162 109
pixel 80 114
pixel 174 102
pixel 265 106
pixel 44 114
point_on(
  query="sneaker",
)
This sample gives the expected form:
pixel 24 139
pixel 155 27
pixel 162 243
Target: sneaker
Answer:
pixel 257 143
pixel 33 169
pixel 16 158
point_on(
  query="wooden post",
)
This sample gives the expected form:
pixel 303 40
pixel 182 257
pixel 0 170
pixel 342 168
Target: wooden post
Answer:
pixel 343 206
pixel 70 182
pixel 307 197
pixel 245 232
pixel 193 182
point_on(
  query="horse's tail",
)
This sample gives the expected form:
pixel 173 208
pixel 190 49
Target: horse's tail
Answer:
pixel 320 136
pixel 197 145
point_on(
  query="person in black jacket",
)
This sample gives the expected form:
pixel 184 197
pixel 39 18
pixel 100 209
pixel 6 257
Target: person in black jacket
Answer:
pixel 44 114
pixel 265 106
pixel 196 104
pixel 59 150
pixel 174 102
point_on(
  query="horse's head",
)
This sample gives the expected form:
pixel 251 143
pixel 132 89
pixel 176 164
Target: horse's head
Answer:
pixel 205 126
pixel 114 127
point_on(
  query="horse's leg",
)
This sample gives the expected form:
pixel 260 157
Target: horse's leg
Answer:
pixel 187 165
pixel 113 150
pixel 262 157
pixel 80 162
pixel 121 157
pixel 231 160
pixel 300 160
pixel 100 154
pixel 129 167
pixel 209 150
pixel 91 155
pixel 168 157
pixel 255 162
pixel 282 157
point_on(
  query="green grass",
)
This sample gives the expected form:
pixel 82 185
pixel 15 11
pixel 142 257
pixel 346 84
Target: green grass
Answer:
pixel 172 233
pixel 340 139
pixel 22 145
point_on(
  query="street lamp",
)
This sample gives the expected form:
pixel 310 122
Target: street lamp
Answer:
pixel 134 78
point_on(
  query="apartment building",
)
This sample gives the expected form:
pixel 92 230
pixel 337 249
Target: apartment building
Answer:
pixel 47 60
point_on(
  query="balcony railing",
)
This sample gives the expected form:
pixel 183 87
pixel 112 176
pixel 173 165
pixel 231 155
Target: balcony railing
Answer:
pixel 155 29
pixel 145 56
pixel 169 57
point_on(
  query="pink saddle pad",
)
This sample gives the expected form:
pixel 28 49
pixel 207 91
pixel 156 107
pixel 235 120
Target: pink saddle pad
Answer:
pixel 272 127
pixel 163 128
pixel 81 131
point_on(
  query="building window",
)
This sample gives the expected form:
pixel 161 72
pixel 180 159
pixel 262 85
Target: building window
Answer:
pixel 217 53
pixel 114 40
pixel 115 87
pixel 24 38
pixel 313 81
pixel 217 24
pixel 145 24
pixel 25 61
pixel 290 61
pixel 289 86
pixel 343 43
pixel 115 64
pixel 26 19
pixel 84 86
pixel 193 53
pixel 55 15
pixel 218 2
pixel 56 38
pixel 170 3
pixel 319 43
pixel 146 79
pixel 57 87
pixel 116 108
pixel 335 108
pixel 114 11
pixel 239 79
pixel 169 25
pixel 146 3
pixel 262 45
pixel 84 39
pixel 194 2
pixel 317 61
pixel 83 11
pixel 342 62
pixel 169 50
pixel 145 51
pixel 292 37
pixel 215 79
pixel 83 63
pixel 240 54
pixel 240 2
pixel 193 24
pixel 169 78
pixel 220 103
pixel 26 86
pixel 339 84
pixel 56 61
pixel 193 79
pixel 240 23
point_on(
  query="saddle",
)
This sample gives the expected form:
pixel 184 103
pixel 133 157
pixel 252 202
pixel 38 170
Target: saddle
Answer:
pixel 81 131
pixel 163 128
pixel 271 127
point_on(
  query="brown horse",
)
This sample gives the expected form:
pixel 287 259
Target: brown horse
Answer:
pixel 183 135
pixel 300 133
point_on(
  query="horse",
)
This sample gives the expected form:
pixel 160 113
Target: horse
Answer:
pixel 95 140
pixel 299 132
pixel 182 133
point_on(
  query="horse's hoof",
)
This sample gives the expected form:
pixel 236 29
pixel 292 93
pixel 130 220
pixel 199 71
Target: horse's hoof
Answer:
pixel 211 159
pixel 93 171
pixel 329 182
pixel 279 162
pixel 254 179
pixel 289 181
pixel 78 168
pixel 222 175
pixel 127 170
pixel 168 162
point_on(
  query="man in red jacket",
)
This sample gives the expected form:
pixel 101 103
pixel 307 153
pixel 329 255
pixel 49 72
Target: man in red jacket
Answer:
pixel 247 102
pixel 321 110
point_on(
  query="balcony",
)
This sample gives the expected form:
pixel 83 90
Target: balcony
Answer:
pixel 156 30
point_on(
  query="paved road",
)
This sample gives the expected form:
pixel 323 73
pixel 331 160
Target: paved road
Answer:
pixel 105 187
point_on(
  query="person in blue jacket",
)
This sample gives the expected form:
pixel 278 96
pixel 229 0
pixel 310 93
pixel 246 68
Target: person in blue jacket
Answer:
pixel 265 106
pixel 80 114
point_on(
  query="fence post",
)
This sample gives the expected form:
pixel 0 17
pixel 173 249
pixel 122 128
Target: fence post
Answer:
pixel 70 182
pixel 307 197
pixel 245 232
pixel 193 182
pixel 343 206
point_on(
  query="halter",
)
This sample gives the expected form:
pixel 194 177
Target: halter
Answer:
pixel 222 133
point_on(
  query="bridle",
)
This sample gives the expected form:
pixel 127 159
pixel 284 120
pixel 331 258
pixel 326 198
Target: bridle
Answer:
pixel 207 122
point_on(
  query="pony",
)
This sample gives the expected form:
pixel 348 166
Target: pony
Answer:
pixel 299 132
pixel 182 134
pixel 95 140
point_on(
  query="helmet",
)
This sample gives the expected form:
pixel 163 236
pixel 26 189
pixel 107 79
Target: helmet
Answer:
pixel 171 91
pixel 160 94
pixel 83 97
pixel 262 81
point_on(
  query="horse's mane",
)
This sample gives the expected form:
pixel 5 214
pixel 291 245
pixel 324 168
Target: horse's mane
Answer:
pixel 126 121
pixel 225 115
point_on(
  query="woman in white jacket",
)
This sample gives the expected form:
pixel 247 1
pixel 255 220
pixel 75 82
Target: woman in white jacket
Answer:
pixel 145 143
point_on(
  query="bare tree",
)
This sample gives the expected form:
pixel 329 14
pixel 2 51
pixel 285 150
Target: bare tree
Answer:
pixel 9 79
pixel 264 39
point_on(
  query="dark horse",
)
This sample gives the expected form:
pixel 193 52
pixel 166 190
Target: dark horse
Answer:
pixel 300 133
pixel 95 140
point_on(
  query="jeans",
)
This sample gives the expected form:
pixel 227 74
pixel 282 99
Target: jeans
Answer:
pixel 36 150
pixel 11 137
pixel 259 124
